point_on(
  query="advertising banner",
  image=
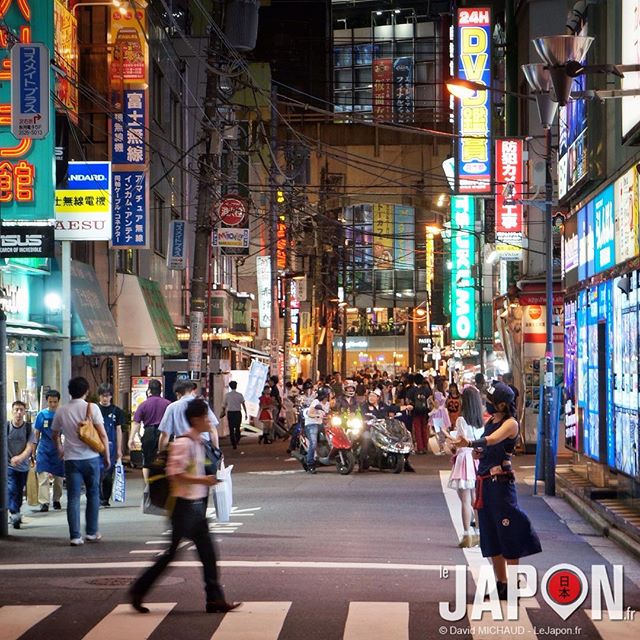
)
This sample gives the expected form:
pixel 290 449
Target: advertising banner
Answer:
pixel 129 60
pixel 509 188
pixel 383 89
pixel 570 256
pixel 570 370
pixel 219 310
pixel 626 215
pixel 128 127
pixel 604 230
pixel 26 165
pixel 463 258
pixel 404 234
pixel 258 373
pixel 403 89
pixel 66 58
pixel 383 236
pixel 232 232
pixel 585 241
pixel 473 62
pixel 177 250
pixel 263 274
pixel 83 210
pixel 130 221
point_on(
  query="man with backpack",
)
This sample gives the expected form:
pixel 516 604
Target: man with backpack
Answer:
pixel 20 443
pixel 189 489
pixel 417 399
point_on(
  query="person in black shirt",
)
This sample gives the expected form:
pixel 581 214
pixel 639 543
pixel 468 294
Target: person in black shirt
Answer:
pixel 417 397
pixel 113 422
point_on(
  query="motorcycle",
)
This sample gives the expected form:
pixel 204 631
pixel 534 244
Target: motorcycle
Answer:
pixel 334 447
pixel 390 441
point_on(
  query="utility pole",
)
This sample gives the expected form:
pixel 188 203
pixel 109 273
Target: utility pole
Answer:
pixel 4 462
pixel 206 195
pixel 273 232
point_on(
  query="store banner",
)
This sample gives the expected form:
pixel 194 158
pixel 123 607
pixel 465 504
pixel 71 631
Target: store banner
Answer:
pixel 26 165
pixel 383 89
pixel 263 273
pixel 66 58
pixel 473 63
pixel 626 216
pixel 130 57
pixel 585 241
pixel 26 240
pixel 572 435
pixel 403 89
pixel 130 221
pixel 463 258
pixel 83 209
pixel 177 250
pixel 258 373
pixel 383 236
pixel 604 230
pixel 241 314
pixel 128 127
pixel 570 257
pixel 404 234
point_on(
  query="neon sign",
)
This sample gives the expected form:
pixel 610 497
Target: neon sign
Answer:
pixel 26 166
pixel 463 283
pixel 473 162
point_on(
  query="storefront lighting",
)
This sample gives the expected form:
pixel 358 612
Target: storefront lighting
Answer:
pixel 449 265
pixel 433 230
pixel 53 302
pixel 460 88
pixel 421 313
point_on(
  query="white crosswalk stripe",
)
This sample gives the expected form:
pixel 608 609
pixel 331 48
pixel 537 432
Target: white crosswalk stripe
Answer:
pixel 253 621
pixel 123 622
pixel 367 620
pixel 16 620
pixel 266 621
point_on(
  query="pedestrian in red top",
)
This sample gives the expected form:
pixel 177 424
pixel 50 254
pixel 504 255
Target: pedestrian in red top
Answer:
pixel 267 404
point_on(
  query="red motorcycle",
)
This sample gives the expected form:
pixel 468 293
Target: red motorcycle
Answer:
pixel 334 447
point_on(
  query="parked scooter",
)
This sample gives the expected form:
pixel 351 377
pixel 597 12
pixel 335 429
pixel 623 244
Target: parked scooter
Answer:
pixel 334 447
pixel 385 445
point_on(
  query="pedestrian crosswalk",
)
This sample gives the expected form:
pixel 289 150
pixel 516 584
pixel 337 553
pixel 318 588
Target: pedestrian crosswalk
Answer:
pixel 269 620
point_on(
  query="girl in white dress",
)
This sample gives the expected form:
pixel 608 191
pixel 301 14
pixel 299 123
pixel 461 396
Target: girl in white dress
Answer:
pixel 463 473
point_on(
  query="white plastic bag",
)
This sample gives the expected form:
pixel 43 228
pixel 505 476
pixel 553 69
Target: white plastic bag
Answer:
pixel 119 491
pixel 223 493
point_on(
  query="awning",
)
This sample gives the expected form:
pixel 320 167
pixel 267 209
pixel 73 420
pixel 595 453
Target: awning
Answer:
pixel 33 330
pixel 93 331
pixel 143 319
pixel 250 351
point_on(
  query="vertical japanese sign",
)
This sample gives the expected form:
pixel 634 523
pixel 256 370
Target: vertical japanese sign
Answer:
pixel 26 165
pixel 66 59
pixel 177 250
pixel 30 103
pixel 463 258
pixel 403 88
pixel 604 230
pixel 383 89
pixel 130 211
pixel 263 272
pixel 509 176
pixel 128 126
pixel 129 60
pixel 404 234
pixel 473 161
pixel 383 236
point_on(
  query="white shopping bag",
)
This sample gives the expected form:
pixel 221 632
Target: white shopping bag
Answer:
pixel 223 493
pixel 119 491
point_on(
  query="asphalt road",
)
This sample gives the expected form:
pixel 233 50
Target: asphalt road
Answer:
pixel 323 557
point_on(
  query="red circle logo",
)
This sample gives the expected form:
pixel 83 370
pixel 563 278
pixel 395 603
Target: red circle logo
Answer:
pixel 231 211
pixel 535 311
pixel 564 587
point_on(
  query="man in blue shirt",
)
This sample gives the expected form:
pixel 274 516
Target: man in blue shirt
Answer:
pixel 48 462
pixel 174 422
pixel 113 422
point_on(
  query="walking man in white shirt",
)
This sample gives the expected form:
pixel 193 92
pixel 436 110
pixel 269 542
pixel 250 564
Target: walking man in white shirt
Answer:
pixel 231 405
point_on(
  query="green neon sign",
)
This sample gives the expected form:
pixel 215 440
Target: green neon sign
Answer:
pixel 463 258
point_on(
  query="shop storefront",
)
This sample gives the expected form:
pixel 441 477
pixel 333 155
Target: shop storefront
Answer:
pixel 384 353
pixel 602 328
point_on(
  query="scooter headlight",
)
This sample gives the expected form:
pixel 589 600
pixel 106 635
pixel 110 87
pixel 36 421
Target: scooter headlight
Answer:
pixel 336 421
pixel 354 424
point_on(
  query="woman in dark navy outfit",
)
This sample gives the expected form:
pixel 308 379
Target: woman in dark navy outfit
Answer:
pixel 506 534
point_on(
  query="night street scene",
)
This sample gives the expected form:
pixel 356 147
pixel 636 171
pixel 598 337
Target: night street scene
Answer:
pixel 319 319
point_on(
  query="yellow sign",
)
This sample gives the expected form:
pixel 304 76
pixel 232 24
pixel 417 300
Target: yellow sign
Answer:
pixel 130 57
pixel 82 201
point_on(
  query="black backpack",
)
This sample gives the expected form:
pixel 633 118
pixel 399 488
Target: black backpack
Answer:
pixel 420 402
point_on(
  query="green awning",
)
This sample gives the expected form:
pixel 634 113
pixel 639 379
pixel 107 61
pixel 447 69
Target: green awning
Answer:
pixel 143 318
pixel 93 331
